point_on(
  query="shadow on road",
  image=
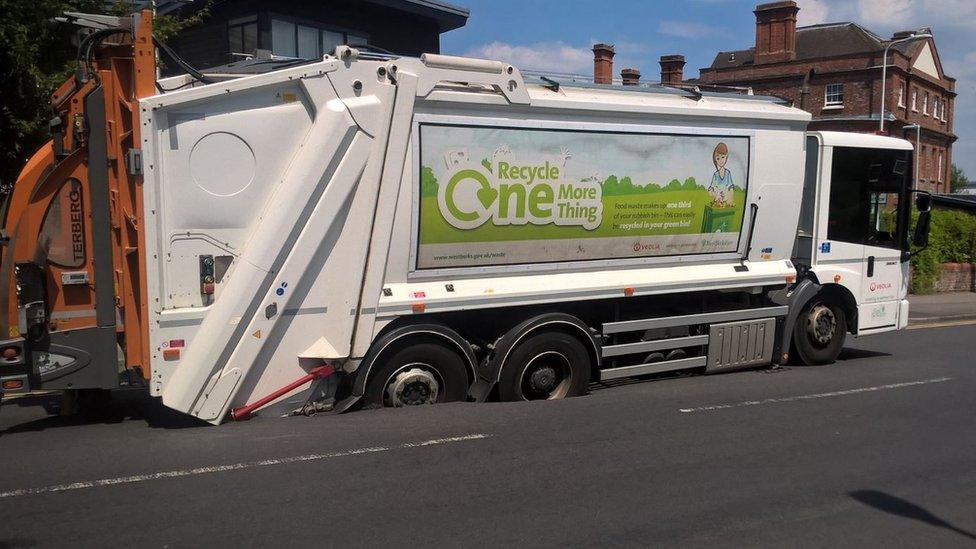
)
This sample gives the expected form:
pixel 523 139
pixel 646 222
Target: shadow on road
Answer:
pixel 854 354
pixel 123 406
pixel 897 506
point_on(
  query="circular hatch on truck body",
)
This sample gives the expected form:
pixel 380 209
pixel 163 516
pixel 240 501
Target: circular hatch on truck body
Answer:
pixel 222 164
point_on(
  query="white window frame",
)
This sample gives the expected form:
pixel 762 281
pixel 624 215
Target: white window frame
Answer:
pixel 914 99
pixel 940 166
pixel 828 93
pixel 925 104
pixel 901 96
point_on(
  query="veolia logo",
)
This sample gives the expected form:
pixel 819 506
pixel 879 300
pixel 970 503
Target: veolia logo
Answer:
pixel 510 194
pixel 880 286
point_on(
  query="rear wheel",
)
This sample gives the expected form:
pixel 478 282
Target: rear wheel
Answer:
pixel 547 366
pixel 819 333
pixel 424 373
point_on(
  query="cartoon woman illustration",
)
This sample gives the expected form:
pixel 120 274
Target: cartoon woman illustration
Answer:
pixel 721 185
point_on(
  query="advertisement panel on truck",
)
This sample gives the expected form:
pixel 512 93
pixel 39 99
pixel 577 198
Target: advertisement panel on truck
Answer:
pixel 502 196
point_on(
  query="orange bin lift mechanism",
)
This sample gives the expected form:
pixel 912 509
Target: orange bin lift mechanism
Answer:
pixel 49 213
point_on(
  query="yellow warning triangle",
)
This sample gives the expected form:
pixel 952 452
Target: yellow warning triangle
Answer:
pixel 257 334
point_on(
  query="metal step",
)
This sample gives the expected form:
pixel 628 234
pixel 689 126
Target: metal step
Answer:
pixel 688 320
pixel 652 368
pixel 655 345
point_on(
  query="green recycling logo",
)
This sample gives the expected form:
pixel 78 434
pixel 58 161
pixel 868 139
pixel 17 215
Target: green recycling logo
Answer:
pixel 509 194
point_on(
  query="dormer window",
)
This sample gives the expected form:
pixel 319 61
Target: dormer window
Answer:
pixel 834 95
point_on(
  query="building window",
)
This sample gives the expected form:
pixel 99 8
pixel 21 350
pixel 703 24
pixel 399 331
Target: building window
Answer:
pixel 915 99
pixel 283 39
pixel 834 95
pixel 901 96
pixel 943 110
pixel 940 167
pixel 923 161
pixel 925 104
pixel 294 40
pixel 242 35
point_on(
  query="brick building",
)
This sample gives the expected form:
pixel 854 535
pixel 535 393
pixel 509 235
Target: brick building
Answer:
pixel 834 72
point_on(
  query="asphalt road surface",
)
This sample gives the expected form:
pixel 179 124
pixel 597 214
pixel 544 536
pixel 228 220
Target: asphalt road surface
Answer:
pixel 877 449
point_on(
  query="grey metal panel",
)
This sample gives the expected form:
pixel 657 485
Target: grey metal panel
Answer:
pixel 687 320
pixel 741 344
pixel 653 368
pixel 97 353
pixel 656 345
pixel 101 228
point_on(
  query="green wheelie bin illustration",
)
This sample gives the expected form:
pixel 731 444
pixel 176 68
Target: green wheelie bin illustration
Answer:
pixel 717 220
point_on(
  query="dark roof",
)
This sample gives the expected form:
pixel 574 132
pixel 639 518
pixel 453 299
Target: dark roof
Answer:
pixel 816 42
pixel 448 16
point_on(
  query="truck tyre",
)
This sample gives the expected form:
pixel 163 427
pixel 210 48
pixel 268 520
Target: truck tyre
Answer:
pixel 819 332
pixel 423 373
pixel 546 366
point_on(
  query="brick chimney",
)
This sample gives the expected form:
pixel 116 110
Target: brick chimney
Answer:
pixel 672 69
pixel 776 32
pixel 631 77
pixel 602 64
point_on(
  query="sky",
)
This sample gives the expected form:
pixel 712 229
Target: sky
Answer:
pixel 556 36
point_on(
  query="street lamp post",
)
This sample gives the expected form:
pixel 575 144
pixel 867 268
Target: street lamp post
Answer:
pixel 884 70
pixel 918 139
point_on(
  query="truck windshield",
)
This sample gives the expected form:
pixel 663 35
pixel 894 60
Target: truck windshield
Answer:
pixel 867 186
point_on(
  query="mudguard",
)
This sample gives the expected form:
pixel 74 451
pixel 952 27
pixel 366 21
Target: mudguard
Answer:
pixel 385 342
pixel 795 298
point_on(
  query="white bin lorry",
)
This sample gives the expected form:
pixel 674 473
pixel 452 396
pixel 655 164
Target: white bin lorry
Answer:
pixel 435 229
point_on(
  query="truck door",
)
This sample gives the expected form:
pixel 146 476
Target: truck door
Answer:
pixel 867 215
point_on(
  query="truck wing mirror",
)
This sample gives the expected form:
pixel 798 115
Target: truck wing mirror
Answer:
pixel 920 238
pixel 923 201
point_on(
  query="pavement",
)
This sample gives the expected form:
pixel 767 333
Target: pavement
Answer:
pixel 941 307
pixel 876 449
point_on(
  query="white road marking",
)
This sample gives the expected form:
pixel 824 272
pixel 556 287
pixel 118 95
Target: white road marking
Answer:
pixel 231 467
pixel 814 396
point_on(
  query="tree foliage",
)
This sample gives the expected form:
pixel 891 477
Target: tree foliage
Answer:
pixel 952 239
pixel 957 181
pixel 36 55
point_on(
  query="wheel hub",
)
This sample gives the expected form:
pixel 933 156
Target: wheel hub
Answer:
pixel 545 376
pixel 543 379
pixel 413 387
pixel 821 324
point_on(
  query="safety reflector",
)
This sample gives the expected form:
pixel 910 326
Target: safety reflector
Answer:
pixel 628 291
pixel 171 354
pixel 13 384
pixel 174 343
pixel 418 307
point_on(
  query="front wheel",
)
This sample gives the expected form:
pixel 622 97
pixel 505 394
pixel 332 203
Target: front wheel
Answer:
pixel 819 333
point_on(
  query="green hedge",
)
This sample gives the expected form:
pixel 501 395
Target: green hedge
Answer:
pixel 951 240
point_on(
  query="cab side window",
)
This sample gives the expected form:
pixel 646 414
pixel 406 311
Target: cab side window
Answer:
pixel 866 186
